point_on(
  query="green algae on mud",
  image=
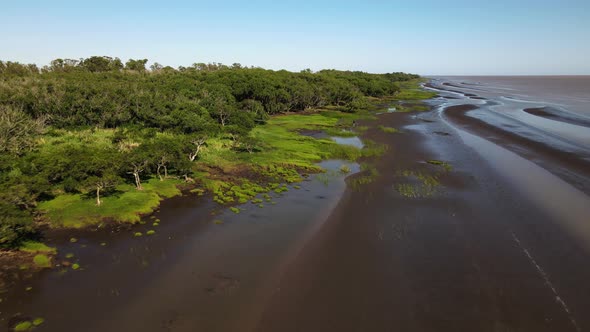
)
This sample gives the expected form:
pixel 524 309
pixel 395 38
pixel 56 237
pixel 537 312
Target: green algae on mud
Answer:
pixel 42 261
pixel 389 130
pixel 447 167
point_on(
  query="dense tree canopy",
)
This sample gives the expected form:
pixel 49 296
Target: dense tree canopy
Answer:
pixel 158 120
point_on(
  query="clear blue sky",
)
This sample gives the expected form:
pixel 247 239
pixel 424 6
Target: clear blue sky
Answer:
pixel 426 37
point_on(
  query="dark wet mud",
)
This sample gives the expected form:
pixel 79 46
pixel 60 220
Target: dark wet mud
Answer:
pixel 474 254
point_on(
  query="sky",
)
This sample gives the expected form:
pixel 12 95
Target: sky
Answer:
pixel 427 37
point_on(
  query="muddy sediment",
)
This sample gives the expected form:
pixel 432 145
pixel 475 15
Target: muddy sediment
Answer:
pixel 447 261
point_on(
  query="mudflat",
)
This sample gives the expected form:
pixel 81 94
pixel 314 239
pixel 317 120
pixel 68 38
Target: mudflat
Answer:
pixel 472 255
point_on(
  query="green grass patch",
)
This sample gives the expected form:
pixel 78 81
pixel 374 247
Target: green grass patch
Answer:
pixel 411 90
pixel 390 130
pixel 447 167
pixel 42 261
pixel 23 326
pixel 369 173
pixel 127 205
pixel 345 169
pixel 38 321
pixel 417 184
pixel 32 246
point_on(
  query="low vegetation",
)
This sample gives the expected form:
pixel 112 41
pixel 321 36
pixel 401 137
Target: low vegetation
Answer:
pixel 445 165
pixel 417 184
pixel 389 130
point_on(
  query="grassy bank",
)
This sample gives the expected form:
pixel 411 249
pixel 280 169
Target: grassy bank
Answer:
pixel 280 155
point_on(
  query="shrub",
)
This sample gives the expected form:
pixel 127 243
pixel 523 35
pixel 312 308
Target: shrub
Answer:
pixel 16 226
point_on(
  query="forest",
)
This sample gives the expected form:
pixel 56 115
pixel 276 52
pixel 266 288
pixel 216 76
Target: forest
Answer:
pixel 88 127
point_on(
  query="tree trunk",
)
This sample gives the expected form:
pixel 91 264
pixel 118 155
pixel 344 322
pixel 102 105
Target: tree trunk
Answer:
pixel 98 202
pixel 137 181
pixel 165 172
pixel 158 172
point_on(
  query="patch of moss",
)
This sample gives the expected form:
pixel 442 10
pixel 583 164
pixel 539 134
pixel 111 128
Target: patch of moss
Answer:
pixel 217 222
pixel 234 210
pixel 137 234
pixel 42 261
pixel 75 266
pixel 447 167
pixel 390 130
pixel 32 246
pixel 23 326
pixel 38 321
pixel 150 232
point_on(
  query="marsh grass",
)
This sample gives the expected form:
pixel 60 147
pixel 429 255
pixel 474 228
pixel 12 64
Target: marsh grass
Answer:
pixel 24 326
pixel 417 184
pixel 38 321
pixel 445 165
pixel 127 205
pixel 32 247
pixel 42 261
pixel 411 90
pixel 369 173
pixel 389 130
